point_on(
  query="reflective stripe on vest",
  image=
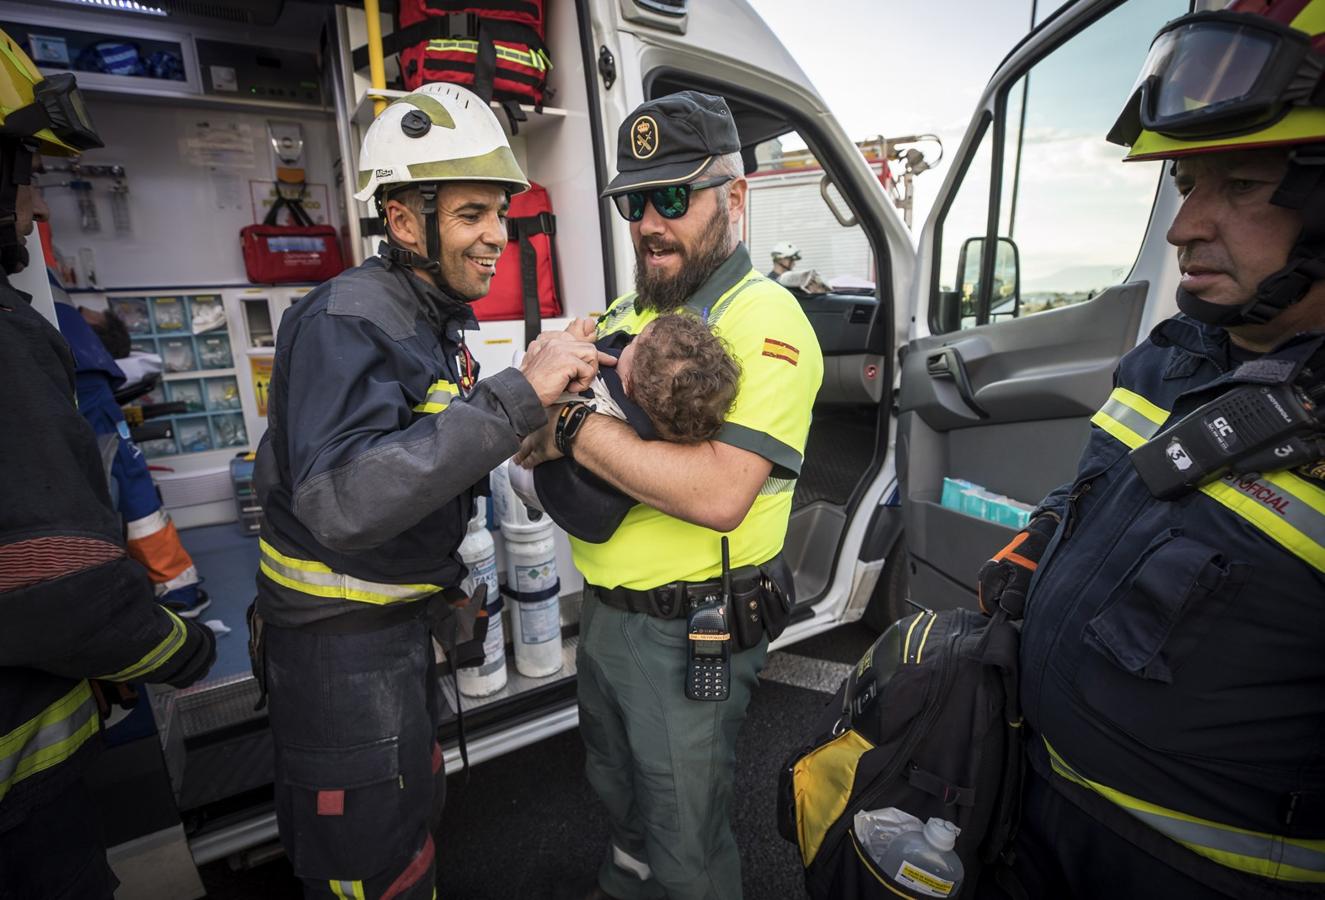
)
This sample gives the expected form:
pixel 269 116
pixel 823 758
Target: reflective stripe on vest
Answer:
pixel 1287 508
pixel 438 398
pixel 49 738
pixel 154 658
pixel 1265 855
pixel 311 577
pixel 532 59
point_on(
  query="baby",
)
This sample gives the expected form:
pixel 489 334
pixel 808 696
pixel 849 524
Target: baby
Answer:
pixel 674 381
pixel 676 371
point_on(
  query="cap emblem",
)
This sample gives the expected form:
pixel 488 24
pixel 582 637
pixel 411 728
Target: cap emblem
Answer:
pixel 644 137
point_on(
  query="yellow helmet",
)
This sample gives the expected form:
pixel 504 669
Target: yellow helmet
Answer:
pixel 1245 77
pixel 46 112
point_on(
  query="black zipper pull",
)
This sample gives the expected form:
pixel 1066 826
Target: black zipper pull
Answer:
pixel 1070 510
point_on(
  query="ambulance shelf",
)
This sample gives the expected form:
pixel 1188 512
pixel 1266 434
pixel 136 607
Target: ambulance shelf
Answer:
pixel 516 684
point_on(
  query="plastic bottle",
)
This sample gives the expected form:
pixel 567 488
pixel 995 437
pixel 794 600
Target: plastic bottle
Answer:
pixel 479 555
pixel 532 583
pixel 924 862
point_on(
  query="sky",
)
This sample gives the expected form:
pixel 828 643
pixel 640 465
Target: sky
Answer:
pixel 892 68
pixel 893 85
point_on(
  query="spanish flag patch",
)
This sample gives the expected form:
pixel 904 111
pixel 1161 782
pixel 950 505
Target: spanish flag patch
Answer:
pixel 781 350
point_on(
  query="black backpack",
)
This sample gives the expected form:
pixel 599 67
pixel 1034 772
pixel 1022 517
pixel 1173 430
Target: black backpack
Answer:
pixel 928 722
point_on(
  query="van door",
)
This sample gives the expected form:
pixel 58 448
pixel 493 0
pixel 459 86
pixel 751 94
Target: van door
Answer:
pixel 1043 263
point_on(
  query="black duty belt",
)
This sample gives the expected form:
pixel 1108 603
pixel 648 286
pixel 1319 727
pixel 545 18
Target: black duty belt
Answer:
pixel 673 601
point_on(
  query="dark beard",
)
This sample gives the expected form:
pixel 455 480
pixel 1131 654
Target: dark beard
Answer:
pixel 666 293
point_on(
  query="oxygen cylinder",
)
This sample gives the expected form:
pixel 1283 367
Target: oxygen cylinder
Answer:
pixel 479 555
pixel 532 583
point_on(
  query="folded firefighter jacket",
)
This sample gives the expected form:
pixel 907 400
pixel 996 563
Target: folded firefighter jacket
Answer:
pixel 73 605
pixel 377 433
pixel 1173 652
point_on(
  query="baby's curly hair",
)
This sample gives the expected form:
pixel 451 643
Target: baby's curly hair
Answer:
pixel 683 378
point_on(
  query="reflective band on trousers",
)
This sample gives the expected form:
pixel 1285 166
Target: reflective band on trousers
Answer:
pixel 49 738
pixel 438 398
pixel 347 890
pixel 315 578
pixel 1287 508
pixel 1265 855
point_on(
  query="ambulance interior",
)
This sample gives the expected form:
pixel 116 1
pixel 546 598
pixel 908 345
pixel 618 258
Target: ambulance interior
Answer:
pixel 158 244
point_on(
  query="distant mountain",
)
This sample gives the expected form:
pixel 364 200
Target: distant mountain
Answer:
pixel 1075 279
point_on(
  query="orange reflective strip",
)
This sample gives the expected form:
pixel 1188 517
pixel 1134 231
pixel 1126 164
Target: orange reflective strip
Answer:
pixel 161 554
pixel 1019 560
pixel 1009 552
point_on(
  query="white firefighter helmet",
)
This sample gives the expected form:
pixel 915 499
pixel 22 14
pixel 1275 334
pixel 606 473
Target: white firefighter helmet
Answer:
pixel 439 132
pixel 786 250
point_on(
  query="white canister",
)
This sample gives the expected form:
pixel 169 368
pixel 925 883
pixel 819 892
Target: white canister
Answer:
pixel 479 555
pixel 533 588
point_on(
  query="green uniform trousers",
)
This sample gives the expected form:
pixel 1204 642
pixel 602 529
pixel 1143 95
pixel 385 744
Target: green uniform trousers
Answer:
pixel 662 764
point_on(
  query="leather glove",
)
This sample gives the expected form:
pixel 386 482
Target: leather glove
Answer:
pixel 1005 579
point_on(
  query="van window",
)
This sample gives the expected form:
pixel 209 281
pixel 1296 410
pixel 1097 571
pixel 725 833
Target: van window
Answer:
pixel 787 205
pixel 965 220
pixel 1073 214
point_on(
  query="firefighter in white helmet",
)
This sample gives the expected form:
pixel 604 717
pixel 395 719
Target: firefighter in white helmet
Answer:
pixel 785 256
pixel 378 432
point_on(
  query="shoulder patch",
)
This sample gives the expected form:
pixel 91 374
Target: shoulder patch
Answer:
pixel 781 350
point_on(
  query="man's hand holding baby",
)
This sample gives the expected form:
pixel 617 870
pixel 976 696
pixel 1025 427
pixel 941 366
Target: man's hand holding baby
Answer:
pixel 560 361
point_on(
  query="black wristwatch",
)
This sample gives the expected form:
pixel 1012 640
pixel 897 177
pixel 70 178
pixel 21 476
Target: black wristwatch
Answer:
pixel 569 420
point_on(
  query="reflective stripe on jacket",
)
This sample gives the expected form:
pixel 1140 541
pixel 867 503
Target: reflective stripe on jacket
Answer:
pixel 1173 652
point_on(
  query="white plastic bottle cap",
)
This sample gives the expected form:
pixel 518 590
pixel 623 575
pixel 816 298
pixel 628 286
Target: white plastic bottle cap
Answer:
pixel 941 833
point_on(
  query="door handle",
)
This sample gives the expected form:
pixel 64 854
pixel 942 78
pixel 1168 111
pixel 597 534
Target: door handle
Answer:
pixel 947 365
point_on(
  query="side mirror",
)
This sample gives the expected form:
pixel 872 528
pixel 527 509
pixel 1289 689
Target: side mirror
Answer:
pixel 1005 299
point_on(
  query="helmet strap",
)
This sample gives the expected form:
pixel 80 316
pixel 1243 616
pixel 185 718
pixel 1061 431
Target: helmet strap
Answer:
pixel 403 256
pixel 1302 189
pixel 15 170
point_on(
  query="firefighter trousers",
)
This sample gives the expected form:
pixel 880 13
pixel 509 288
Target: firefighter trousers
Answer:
pixel 359 776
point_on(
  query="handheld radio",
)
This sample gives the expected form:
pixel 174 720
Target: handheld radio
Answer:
pixel 708 657
pixel 1251 428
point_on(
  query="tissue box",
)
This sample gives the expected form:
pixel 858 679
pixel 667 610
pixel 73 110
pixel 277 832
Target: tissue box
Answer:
pixel 952 491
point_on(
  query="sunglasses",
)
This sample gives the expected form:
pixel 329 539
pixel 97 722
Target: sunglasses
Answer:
pixel 671 202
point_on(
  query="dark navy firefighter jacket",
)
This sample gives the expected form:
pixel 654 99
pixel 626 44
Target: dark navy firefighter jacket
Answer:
pixel 377 433
pixel 1173 653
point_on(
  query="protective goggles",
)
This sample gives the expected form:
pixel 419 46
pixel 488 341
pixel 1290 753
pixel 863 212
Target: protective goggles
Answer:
pixel 1221 74
pixel 57 105
pixel 671 202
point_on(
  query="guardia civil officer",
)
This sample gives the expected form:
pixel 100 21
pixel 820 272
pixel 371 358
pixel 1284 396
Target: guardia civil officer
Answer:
pixel 73 605
pixel 1173 654
pixel 663 763
pixel 378 429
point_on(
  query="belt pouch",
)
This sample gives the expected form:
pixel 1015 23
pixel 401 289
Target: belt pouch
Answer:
pixel 460 625
pixel 257 652
pixel 777 595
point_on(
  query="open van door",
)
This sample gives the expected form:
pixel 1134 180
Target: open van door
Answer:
pixel 1043 262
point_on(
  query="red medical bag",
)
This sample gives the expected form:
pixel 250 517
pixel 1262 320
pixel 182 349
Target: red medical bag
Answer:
pixel 276 254
pixel 495 48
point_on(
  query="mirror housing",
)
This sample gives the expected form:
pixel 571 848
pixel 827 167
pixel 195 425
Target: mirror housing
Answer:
pixel 1005 299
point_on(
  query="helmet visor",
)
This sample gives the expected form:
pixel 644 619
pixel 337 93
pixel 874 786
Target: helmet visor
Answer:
pixel 1218 74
